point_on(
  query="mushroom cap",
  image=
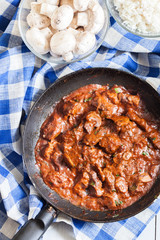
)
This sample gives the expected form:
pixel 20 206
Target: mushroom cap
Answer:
pixel 62 42
pixel 67 2
pixel 62 17
pixel 85 42
pixel 37 20
pixel 37 40
pixel 81 5
pixel 95 17
pixel 47 33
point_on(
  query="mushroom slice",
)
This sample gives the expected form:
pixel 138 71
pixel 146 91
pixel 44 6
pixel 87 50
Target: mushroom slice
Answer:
pixel 121 184
pixel 62 17
pixel 38 40
pixel 144 177
pixel 37 20
pixel 85 42
pixel 47 9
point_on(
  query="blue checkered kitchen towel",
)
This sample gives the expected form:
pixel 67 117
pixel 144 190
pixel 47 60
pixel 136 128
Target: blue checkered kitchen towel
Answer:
pixel 23 77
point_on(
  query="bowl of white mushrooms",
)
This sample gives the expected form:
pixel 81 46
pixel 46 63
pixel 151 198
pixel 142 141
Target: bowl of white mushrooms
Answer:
pixel 63 31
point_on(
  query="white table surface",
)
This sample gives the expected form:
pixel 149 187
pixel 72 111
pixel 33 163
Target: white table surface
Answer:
pixel 63 231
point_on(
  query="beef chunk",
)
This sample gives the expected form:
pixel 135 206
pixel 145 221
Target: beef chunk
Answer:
pixel 155 138
pixel 95 136
pixel 120 120
pixel 79 132
pixel 95 185
pixel 110 142
pixel 109 178
pixel 129 99
pixel 93 155
pixel 140 121
pixel 53 126
pixel 71 155
pixel 48 150
pixel 111 200
pixel 82 184
pixel 69 138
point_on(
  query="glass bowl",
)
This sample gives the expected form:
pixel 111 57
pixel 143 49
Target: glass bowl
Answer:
pixel 23 27
pixel 113 11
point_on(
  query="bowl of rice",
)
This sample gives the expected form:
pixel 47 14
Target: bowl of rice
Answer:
pixel 140 17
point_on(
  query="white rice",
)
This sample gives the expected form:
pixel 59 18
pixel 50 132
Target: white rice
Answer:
pixel 140 15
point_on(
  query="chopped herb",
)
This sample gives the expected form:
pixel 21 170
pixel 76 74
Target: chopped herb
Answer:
pixel 119 202
pixel 116 202
pixel 51 183
pixel 140 170
pixel 88 99
pixel 96 132
pixel 116 215
pixel 117 90
pixel 85 162
pixel 121 145
pixel 153 138
pixel 133 173
pixel 117 175
pixel 144 153
pixel 113 190
pixel 76 100
pixel 92 183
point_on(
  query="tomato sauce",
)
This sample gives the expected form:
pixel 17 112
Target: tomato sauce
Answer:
pixel 100 148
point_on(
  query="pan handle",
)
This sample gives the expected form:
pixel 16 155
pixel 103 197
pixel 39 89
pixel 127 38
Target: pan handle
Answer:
pixel 35 228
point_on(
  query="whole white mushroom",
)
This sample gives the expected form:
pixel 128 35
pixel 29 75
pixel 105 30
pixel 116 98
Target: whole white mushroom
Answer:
pixel 47 9
pixel 67 2
pixel 63 43
pixel 95 17
pixel 62 17
pixel 84 42
pixel 81 5
pixel 37 20
pixel 39 39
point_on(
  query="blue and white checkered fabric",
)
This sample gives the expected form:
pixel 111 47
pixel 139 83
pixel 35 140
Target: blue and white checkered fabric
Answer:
pixel 23 77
